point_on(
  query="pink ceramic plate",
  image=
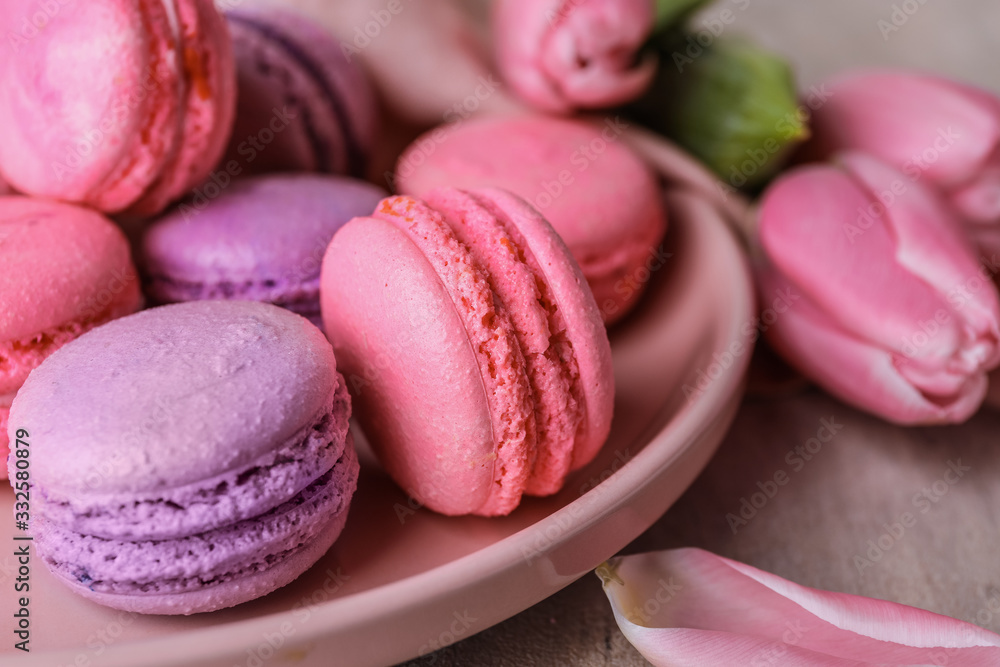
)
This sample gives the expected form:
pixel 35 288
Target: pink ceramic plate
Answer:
pixel 402 581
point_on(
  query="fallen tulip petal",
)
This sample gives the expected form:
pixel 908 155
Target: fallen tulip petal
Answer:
pixel 689 607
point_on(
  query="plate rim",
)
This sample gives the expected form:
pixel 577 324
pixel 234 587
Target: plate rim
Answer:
pixel 690 424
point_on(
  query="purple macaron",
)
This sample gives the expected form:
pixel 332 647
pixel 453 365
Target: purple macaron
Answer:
pixel 302 104
pixel 187 458
pixel 263 239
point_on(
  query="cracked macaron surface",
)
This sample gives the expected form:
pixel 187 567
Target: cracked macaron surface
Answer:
pixel 189 457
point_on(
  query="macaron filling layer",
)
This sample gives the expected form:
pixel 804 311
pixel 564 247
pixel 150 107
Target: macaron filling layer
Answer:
pixel 491 335
pixel 298 297
pixel 551 366
pixel 204 56
pixel 205 559
pixel 317 80
pixel 235 495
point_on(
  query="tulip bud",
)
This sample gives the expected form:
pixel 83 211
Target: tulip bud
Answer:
pixel 888 308
pixel 933 129
pixel 731 104
pixel 563 55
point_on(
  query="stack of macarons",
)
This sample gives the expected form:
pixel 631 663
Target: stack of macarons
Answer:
pixel 207 463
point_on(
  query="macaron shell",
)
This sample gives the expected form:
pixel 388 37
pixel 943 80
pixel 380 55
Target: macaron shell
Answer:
pixel 493 338
pixel 519 284
pixel 75 109
pixel 287 63
pixel 319 529
pixel 209 104
pixel 410 366
pixel 66 270
pixel 584 327
pixel 199 388
pixel 263 239
pixel 215 500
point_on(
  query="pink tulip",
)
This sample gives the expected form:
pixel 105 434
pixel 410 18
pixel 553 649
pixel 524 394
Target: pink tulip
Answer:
pixel 561 55
pixel 687 607
pixel 870 289
pixel 928 127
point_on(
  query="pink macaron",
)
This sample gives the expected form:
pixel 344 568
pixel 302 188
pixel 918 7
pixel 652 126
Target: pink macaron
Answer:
pixel 601 197
pixel 122 105
pixel 67 270
pixel 476 354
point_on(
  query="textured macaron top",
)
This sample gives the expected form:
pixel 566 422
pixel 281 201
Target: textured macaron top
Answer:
pixel 174 395
pixel 599 196
pixel 61 264
pixel 263 234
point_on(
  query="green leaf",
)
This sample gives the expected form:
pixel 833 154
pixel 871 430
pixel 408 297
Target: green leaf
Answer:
pixel 728 102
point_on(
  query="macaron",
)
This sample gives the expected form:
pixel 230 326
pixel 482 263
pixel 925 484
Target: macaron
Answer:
pixel 476 355
pixel 303 105
pixel 66 270
pixel 187 458
pixel 599 196
pixel 122 105
pixel 262 239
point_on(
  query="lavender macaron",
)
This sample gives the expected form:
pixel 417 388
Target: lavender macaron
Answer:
pixel 263 239
pixel 302 104
pixel 187 458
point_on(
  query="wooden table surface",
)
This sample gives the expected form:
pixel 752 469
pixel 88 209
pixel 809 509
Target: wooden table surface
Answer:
pixel 823 528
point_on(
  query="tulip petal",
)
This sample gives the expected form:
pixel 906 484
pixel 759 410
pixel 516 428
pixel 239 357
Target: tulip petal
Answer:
pixel 978 202
pixel 860 373
pixel 687 607
pixel 822 230
pixel 925 125
pixel 520 27
pixel 930 244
